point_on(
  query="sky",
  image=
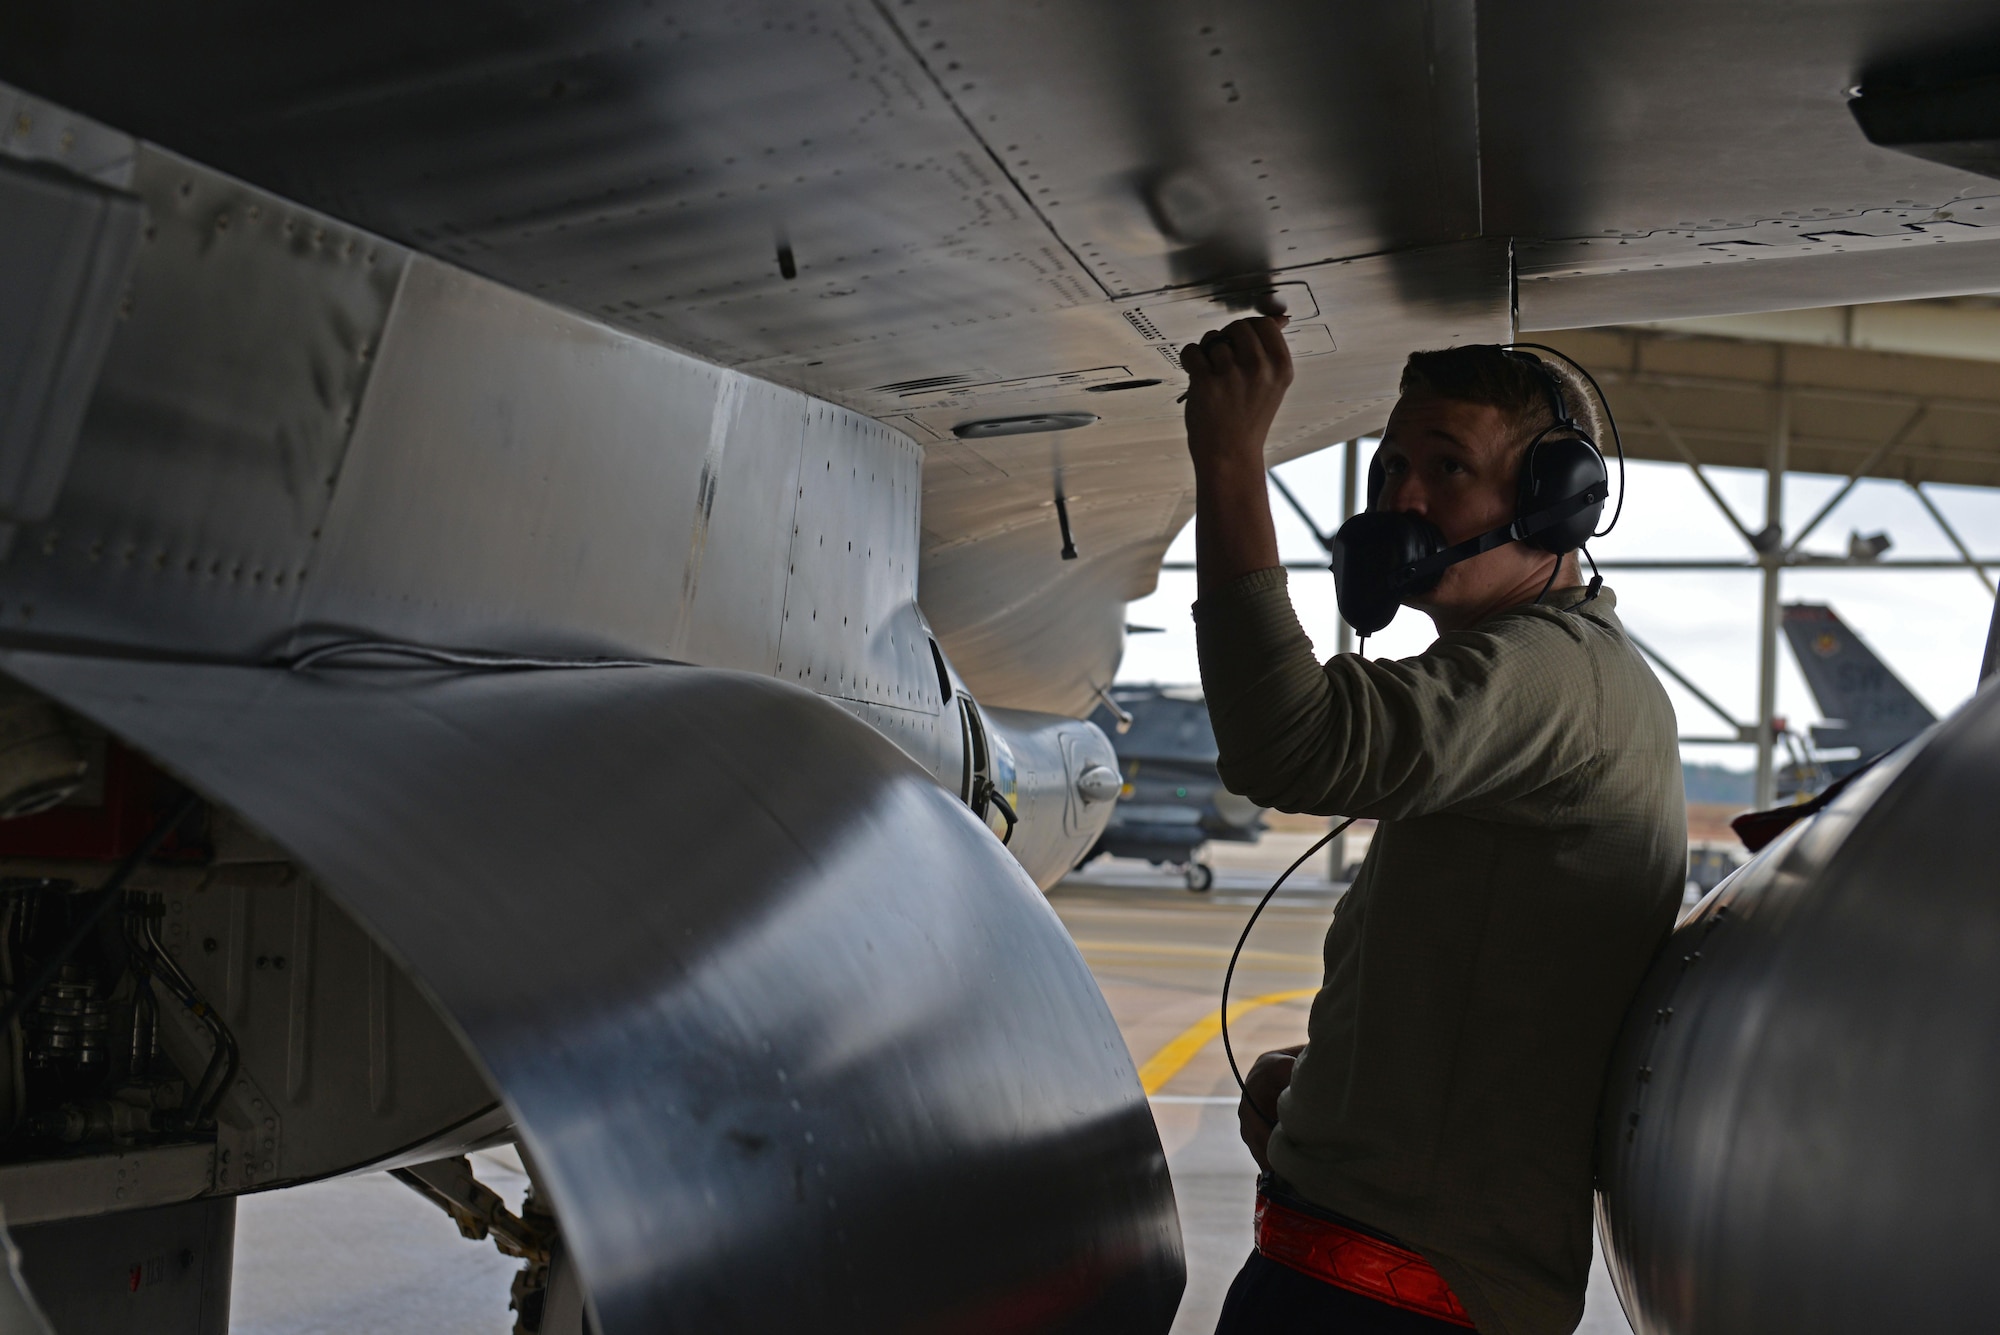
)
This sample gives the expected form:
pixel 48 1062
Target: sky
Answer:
pixel 1928 626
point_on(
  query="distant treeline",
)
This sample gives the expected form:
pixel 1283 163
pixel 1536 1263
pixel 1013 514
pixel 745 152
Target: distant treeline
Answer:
pixel 1714 783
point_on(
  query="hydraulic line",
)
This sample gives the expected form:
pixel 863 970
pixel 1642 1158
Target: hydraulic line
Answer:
pixel 225 1059
pixel 100 902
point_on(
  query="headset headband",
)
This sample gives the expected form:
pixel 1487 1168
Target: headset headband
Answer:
pixel 1550 382
pixel 1534 352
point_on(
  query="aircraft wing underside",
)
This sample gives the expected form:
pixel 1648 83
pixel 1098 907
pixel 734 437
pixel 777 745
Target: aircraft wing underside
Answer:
pixel 932 213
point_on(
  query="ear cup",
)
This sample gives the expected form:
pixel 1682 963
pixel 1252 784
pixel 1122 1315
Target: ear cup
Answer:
pixel 1374 492
pixel 1368 551
pixel 1555 469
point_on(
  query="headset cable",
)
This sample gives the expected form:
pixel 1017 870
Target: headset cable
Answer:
pixel 1227 1050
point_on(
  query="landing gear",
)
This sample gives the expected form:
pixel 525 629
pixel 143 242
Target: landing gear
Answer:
pixel 547 1297
pixel 1200 876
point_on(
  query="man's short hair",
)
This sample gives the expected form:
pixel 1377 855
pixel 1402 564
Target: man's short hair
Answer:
pixel 1483 373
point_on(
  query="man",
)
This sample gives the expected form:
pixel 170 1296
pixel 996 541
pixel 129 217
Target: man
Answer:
pixel 1529 860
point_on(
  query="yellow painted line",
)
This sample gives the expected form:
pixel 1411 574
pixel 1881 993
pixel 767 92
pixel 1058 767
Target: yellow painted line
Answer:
pixel 1198 952
pixel 1165 1064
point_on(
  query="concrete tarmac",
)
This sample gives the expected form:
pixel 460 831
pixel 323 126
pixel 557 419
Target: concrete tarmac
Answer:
pixel 367 1253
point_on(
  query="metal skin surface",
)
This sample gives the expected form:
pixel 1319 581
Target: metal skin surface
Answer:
pixel 1661 159
pixel 344 1060
pixel 66 249
pixel 78 1271
pixel 304 435
pixel 1797 1132
pixel 650 160
pixel 210 453
pixel 1058 823
pixel 931 212
pixel 789 1035
pixel 652 169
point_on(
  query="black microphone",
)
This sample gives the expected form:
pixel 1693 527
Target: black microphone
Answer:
pixel 1381 558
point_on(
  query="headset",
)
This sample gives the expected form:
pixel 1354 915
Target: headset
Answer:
pixel 1383 557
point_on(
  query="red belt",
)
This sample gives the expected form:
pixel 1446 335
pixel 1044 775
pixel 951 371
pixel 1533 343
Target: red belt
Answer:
pixel 1354 1261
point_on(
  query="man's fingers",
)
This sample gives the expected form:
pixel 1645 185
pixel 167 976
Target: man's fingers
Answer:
pixel 1216 343
pixel 1268 1078
pixel 1244 344
pixel 1257 343
pixel 1271 336
pixel 1194 360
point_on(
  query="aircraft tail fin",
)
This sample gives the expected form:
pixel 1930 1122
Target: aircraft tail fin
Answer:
pixel 1866 705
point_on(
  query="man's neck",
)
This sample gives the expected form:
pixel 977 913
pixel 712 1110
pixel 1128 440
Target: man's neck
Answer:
pixel 1528 589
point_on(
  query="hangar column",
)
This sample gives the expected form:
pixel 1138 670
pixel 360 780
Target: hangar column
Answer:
pixel 1770 545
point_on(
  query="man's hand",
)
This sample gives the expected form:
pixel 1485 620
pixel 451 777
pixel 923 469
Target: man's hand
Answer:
pixel 1268 1078
pixel 1237 377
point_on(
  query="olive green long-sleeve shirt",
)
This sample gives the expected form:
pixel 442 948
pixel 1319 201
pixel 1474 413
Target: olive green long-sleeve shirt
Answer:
pixel 1529 862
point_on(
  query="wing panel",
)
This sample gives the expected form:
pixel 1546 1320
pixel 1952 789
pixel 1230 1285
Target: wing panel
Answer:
pixel 1663 160
pixel 519 478
pixel 211 449
pixel 851 627
pixel 641 164
pixel 1189 143
pixel 305 434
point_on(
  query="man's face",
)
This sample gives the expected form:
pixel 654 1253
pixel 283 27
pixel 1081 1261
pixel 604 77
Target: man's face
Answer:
pixel 1455 464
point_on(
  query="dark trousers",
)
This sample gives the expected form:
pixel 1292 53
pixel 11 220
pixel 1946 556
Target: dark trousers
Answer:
pixel 1272 1299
